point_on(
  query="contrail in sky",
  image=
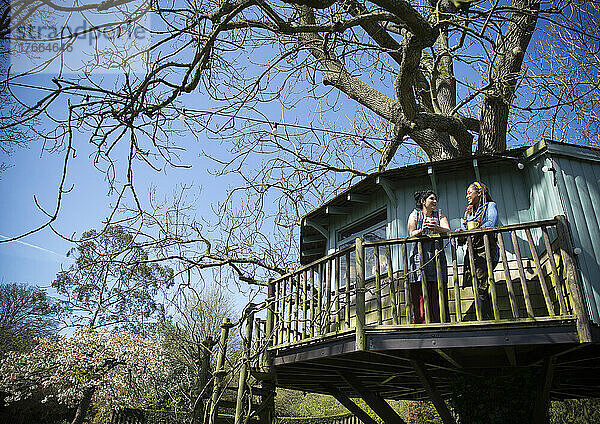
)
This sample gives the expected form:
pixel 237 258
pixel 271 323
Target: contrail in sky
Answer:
pixel 36 247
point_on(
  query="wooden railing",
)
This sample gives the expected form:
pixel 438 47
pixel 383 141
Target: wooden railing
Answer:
pixel 365 286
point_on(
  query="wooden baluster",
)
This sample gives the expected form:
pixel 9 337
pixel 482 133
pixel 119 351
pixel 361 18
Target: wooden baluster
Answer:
pixel 509 285
pixel 337 293
pixel 290 306
pixel 328 280
pixel 297 309
pixel 276 313
pixel 441 275
pixel 490 272
pixel 282 312
pixel 407 286
pixel 313 321
pixel 319 311
pixel 515 242
pixel 540 273
pixel 554 273
pixel 457 300
pixel 393 289
pixel 271 315
pixel 474 278
pixel 361 339
pixel 378 287
pixel 305 300
pixel 424 283
pixel 348 289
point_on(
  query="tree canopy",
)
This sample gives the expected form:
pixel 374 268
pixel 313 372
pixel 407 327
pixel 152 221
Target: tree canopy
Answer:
pixel 113 283
pixel 303 96
pixel 26 313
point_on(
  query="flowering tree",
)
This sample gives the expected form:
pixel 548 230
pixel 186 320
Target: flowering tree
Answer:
pixel 117 368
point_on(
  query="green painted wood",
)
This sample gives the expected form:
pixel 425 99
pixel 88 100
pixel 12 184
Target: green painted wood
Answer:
pixel 392 285
pixel 490 271
pixel 554 272
pixel 313 319
pixel 566 251
pixel 474 284
pixel 441 286
pixel 509 285
pixel 337 293
pixel 407 288
pixel 327 297
pixel 378 286
pixel 540 273
pixel 347 315
pixel 456 282
pixel 524 288
pixel 427 305
pixel 290 303
pixel 361 338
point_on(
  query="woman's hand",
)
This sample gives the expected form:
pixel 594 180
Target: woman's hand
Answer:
pixel 418 232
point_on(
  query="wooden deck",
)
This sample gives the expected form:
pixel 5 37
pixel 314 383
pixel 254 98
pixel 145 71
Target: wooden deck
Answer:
pixel 337 326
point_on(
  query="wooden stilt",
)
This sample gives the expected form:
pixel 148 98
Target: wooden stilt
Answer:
pixel 243 377
pixel 219 371
pixel 350 405
pixel 542 401
pixel 375 402
pixel 434 395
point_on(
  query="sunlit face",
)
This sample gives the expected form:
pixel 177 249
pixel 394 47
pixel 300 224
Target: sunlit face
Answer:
pixel 472 195
pixel 430 203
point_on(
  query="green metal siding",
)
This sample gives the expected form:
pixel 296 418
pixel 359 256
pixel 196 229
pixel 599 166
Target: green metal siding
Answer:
pixel 521 195
pixel 579 186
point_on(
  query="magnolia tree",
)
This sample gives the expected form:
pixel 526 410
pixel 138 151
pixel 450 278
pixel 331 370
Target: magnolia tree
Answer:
pixel 120 369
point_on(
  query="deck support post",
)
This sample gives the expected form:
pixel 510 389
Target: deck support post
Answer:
pixel 350 405
pixel 243 377
pixel 361 339
pixel 542 401
pixel 375 402
pixel 201 402
pixel 266 412
pixel 432 392
pixel 219 371
pixel 566 252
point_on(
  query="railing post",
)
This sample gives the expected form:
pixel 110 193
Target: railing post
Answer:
pixel 220 370
pixel 270 324
pixel 361 340
pixel 243 377
pixel 566 252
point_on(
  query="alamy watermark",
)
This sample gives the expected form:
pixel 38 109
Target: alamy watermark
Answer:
pixel 80 41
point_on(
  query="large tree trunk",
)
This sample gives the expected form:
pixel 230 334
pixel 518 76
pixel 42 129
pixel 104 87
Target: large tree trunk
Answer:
pixel 84 405
pixel 510 51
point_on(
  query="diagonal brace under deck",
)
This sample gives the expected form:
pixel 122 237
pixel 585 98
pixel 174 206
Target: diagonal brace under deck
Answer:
pixel 375 402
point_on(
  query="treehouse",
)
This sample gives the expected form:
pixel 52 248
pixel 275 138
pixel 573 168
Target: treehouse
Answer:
pixel 342 323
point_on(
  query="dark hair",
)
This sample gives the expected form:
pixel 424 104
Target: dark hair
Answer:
pixel 422 195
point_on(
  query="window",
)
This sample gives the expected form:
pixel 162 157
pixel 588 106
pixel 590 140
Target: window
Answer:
pixel 372 228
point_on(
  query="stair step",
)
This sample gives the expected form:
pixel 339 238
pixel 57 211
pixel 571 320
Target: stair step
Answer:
pixel 233 404
pixel 257 391
pixel 261 375
pixel 229 419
